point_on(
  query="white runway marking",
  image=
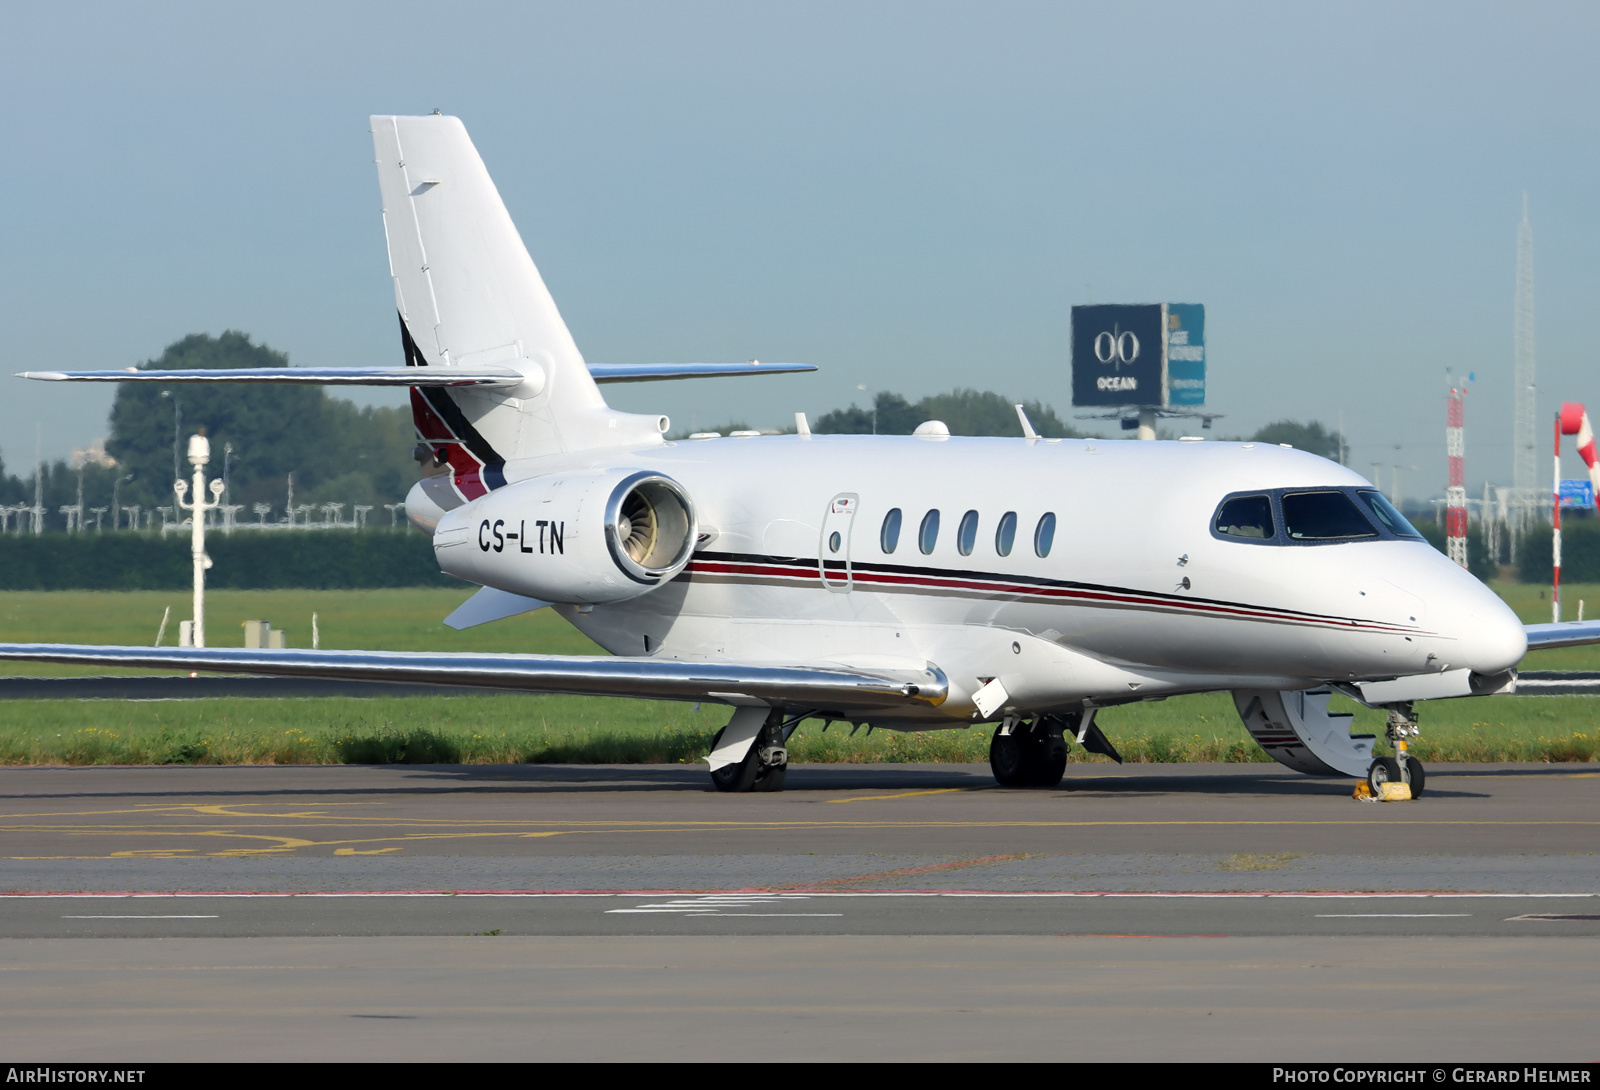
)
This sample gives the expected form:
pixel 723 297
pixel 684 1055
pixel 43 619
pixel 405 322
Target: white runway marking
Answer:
pixel 1387 915
pixel 558 894
pixel 712 905
pixel 141 917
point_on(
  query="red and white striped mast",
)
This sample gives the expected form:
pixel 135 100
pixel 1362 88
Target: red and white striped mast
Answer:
pixel 1555 535
pixel 1455 493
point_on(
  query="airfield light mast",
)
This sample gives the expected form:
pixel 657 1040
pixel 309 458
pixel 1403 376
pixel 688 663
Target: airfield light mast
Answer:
pixel 1455 493
pixel 1524 426
pixel 199 455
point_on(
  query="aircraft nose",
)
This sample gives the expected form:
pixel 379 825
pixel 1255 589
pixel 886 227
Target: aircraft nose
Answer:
pixel 1489 637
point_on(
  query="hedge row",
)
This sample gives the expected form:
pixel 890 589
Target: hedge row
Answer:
pixel 1580 553
pixel 341 559
pixel 245 560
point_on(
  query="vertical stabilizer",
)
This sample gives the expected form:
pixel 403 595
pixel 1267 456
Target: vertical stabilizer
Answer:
pixel 469 295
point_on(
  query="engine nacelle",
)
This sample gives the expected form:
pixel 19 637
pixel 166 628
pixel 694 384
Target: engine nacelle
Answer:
pixel 578 538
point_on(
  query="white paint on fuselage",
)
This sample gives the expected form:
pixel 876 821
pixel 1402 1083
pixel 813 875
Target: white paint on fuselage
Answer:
pixel 1126 513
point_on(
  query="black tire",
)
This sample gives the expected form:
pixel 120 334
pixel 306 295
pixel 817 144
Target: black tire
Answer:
pixel 1417 776
pixel 1382 770
pixel 740 776
pixel 771 779
pixel 1008 760
pixel 1051 763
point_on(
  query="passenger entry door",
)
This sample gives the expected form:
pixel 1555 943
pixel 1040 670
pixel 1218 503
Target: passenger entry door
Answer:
pixel 833 550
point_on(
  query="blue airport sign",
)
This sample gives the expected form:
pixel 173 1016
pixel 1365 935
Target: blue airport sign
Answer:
pixel 1577 493
pixel 1186 354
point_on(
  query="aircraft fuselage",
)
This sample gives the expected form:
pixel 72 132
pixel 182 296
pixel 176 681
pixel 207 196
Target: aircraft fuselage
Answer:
pixel 1135 595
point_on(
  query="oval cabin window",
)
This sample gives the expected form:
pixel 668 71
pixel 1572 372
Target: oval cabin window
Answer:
pixel 889 536
pixel 1005 535
pixel 1044 535
pixel 967 533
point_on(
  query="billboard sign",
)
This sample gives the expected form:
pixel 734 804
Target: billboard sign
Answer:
pixel 1577 493
pixel 1147 355
pixel 1186 354
pixel 1117 355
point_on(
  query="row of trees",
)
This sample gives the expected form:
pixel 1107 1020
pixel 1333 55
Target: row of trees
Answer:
pixel 984 412
pixel 260 436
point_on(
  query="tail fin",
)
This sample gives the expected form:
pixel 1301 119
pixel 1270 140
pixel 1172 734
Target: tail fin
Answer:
pixel 469 295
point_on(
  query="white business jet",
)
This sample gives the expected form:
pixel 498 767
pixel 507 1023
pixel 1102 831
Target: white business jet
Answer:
pixel 920 582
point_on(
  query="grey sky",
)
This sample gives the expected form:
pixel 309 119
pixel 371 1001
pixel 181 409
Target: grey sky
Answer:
pixel 910 196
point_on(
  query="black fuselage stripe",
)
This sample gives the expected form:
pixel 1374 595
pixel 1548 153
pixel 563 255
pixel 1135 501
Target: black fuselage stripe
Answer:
pixel 936 580
pixel 442 403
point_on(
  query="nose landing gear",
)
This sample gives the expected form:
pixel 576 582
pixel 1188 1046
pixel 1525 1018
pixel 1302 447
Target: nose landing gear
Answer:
pixel 1402 767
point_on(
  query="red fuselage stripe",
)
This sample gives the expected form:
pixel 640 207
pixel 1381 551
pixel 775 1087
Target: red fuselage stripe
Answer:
pixel 1002 588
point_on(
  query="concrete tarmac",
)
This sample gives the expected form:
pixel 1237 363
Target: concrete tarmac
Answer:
pixel 785 998
pixel 867 912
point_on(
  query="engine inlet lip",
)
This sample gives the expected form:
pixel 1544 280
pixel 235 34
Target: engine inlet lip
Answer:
pixel 649 576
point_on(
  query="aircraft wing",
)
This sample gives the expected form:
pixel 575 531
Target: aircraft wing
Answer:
pixel 1562 634
pixel 824 687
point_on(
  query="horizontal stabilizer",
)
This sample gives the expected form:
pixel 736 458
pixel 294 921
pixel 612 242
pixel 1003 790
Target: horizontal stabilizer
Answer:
pixel 824 687
pixel 657 372
pixel 488 605
pixel 1562 634
pixel 417 376
pixel 303 376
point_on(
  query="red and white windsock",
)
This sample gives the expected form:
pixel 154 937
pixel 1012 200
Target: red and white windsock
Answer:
pixel 1575 421
pixel 1571 420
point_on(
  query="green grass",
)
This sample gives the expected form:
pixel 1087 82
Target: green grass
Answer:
pixel 497 728
pixel 409 619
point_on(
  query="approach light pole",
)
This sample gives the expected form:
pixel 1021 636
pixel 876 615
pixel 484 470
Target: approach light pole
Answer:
pixel 199 455
pixel 116 499
pixel 177 429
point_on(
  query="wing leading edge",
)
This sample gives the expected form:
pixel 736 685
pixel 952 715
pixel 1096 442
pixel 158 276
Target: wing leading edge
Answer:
pixel 820 687
pixel 1562 634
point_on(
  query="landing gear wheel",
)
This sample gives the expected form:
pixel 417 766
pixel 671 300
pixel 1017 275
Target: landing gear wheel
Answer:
pixel 1008 760
pixel 1027 758
pixel 751 774
pixel 1052 761
pixel 740 776
pixel 1416 776
pixel 1382 770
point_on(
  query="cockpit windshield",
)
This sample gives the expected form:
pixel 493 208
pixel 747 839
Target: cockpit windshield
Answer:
pixel 1388 515
pixel 1323 516
pixel 1309 516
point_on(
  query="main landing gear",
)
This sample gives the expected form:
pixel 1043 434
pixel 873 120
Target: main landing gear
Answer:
pixel 765 763
pixel 1402 767
pixel 1034 754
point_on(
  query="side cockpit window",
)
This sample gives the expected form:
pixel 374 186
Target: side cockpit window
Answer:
pixel 1247 517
